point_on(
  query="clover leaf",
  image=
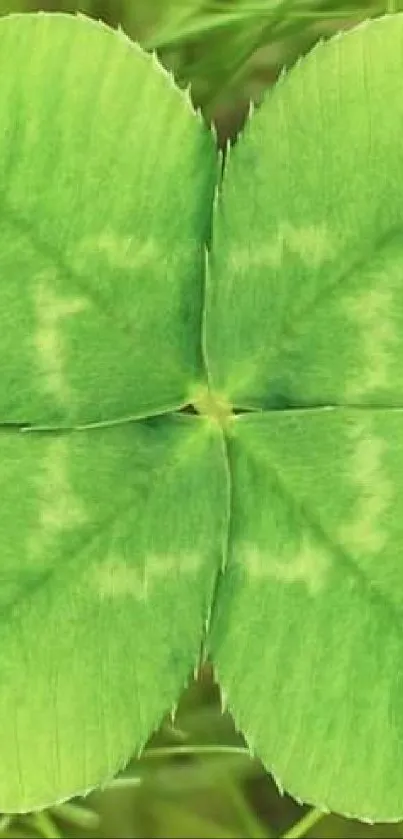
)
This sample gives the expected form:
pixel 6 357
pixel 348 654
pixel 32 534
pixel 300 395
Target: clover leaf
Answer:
pixel 264 521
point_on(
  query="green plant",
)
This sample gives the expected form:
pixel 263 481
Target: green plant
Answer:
pixel 201 435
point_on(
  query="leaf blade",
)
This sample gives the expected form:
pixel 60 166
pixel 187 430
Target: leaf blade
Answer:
pixel 104 217
pixel 306 634
pixel 102 611
pixel 320 214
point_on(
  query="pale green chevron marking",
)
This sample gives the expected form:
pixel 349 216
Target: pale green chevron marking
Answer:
pixel 121 252
pixel 59 510
pixel 106 190
pixel 365 528
pixel 349 348
pixel 102 612
pixel 307 633
pixel 307 565
pixel 116 578
pixel 50 312
pixel 311 244
pixel 304 299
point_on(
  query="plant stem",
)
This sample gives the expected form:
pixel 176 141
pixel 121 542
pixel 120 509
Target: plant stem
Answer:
pixel 249 823
pixel 45 825
pixel 306 823
pixel 125 782
pixel 5 822
pixel 76 814
pixel 174 751
pixel 179 751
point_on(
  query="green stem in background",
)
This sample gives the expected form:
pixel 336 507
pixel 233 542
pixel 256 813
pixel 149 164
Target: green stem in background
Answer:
pixel 164 752
pixel 75 814
pixel 177 751
pixel 45 826
pixel 125 782
pixel 305 824
pixel 5 822
pixel 196 24
pixel 259 36
pixel 250 824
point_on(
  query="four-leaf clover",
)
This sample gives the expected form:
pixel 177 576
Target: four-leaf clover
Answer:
pixel 201 408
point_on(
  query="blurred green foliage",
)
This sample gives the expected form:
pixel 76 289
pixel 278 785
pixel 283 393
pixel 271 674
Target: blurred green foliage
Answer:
pixel 196 778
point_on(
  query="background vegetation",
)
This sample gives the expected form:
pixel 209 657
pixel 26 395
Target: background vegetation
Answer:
pixel 196 779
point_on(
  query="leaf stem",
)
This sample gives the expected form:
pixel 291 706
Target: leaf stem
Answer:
pixel 303 825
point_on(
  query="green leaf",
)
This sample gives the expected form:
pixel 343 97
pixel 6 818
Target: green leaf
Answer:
pixel 304 299
pixel 305 309
pixel 106 181
pixel 307 633
pixel 110 542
